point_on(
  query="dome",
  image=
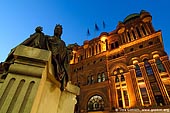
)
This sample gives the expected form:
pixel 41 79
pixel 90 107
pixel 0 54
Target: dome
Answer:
pixel 131 16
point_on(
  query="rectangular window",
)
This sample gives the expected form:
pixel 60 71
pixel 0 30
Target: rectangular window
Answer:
pixel 126 97
pixel 144 95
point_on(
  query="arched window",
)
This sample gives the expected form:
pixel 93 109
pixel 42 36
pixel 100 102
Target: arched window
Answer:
pixel 89 52
pixel 92 79
pixel 117 79
pixel 148 67
pixel 128 35
pixel 137 29
pixel 144 30
pixel 116 44
pixel 106 44
pixel 96 49
pixel 99 48
pixel 103 77
pixel 138 71
pixel 133 35
pixel 112 45
pixel 95 103
pixel 99 78
pixel 160 65
pixel 88 80
pixel 122 78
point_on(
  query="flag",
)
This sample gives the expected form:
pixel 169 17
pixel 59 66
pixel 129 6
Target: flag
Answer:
pixel 104 25
pixel 96 28
pixel 88 32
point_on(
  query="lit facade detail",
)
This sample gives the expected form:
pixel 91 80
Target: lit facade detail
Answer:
pixel 126 68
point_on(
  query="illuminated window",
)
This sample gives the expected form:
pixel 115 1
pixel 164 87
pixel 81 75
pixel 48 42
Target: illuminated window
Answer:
pixel 90 79
pixel 96 103
pixel 157 94
pixel 122 78
pixel 160 65
pixel 126 97
pixel 117 79
pixel 148 67
pixel 99 78
pixel 103 77
pixel 144 95
pixel 138 71
pixel 120 102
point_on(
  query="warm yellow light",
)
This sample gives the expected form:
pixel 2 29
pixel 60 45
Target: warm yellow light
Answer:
pixel 103 38
pixel 141 83
pixel 121 71
pixel 115 72
pixel 135 62
pixel 156 56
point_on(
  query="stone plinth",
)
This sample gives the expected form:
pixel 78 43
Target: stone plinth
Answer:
pixel 30 86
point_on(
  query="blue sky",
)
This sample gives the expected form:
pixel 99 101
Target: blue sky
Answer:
pixel 19 18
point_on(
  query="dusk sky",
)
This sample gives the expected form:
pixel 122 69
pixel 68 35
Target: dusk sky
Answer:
pixel 19 18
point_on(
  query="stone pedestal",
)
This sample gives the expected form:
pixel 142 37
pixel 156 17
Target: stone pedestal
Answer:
pixel 30 86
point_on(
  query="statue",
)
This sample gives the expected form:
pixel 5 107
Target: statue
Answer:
pixel 59 56
pixel 36 40
pixel 60 53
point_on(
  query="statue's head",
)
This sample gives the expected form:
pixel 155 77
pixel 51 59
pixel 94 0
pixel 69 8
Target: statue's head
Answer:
pixel 58 30
pixel 38 29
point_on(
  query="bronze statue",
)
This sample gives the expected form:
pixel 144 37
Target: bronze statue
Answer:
pixel 60 53
pixel 36 40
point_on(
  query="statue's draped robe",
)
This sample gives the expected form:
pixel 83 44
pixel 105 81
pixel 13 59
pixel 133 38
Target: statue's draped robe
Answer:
pixel 59 57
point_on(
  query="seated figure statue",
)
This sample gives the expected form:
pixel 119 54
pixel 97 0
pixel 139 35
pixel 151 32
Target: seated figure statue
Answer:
pixel 36 40
pixel 60 53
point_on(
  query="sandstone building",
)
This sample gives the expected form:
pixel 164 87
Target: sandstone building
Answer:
pixel 125 68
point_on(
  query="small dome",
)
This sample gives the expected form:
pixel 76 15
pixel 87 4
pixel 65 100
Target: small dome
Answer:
pixel 131 16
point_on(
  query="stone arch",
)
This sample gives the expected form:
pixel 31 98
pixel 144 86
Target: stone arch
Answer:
pixel 157 54
pixel 94 93
pixel 144 56
pixel 118 65
pixel 131 61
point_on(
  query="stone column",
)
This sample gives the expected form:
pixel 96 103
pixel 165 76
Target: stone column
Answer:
pixel 114 100
pixel 130 90
pixel 135 86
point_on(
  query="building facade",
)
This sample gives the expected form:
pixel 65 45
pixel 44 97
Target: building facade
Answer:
pixel 125 68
